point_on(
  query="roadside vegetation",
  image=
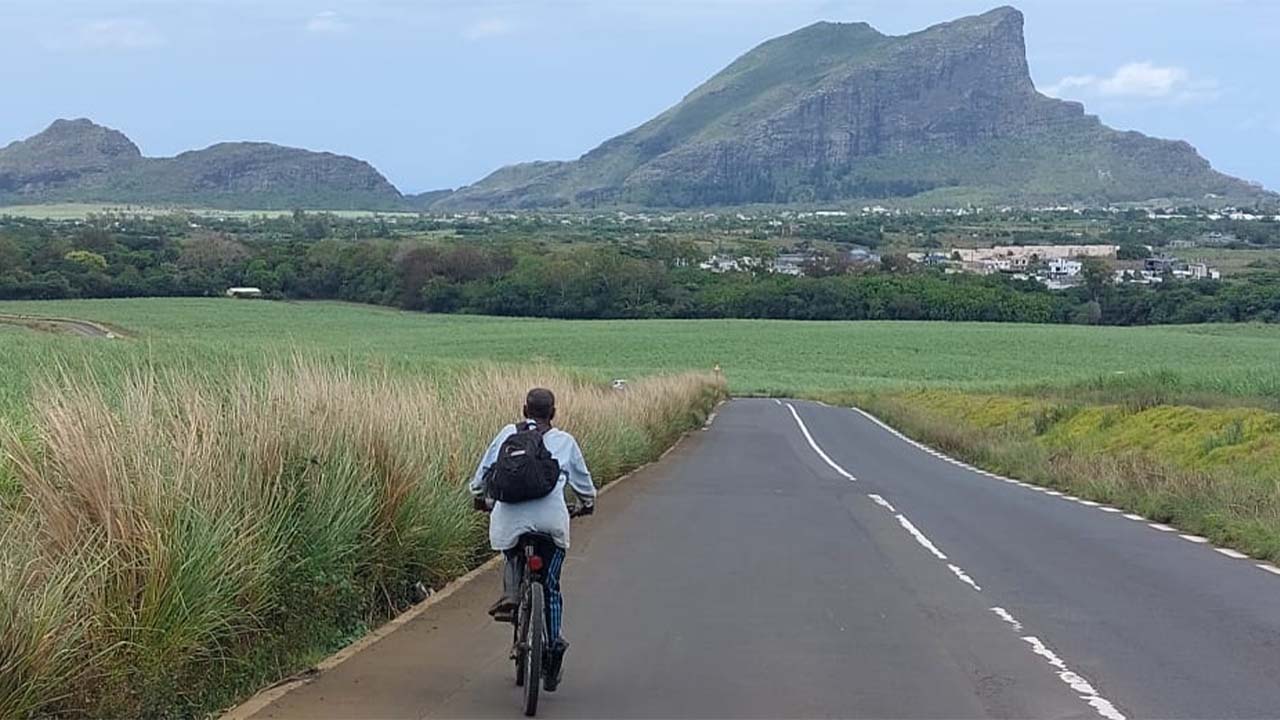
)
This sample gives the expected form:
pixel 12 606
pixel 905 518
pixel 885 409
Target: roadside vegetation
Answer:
pixel 1212 468
pixel 171 541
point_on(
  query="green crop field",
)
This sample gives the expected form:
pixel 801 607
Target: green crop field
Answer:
pixel 756 356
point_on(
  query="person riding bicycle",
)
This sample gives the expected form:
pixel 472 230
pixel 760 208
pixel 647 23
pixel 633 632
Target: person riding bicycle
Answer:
pixel 548 514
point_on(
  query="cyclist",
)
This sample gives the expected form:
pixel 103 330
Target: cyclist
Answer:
pixel 548 515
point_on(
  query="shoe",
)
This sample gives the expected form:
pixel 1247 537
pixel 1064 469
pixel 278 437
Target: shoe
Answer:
pixel 554 665
pixel 504 610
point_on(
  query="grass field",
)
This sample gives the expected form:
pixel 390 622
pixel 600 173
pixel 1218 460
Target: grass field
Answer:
pixel 758 357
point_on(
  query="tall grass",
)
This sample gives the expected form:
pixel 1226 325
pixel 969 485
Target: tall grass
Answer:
pixel 172 541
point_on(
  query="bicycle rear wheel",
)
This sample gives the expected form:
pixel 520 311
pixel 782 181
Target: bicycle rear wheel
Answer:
pixel 537 642
pixel 519 631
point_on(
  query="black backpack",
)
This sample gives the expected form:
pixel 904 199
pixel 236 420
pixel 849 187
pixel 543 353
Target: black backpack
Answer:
pixel 524 469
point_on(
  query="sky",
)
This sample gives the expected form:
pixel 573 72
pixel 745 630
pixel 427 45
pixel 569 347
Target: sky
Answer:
pixel 438 93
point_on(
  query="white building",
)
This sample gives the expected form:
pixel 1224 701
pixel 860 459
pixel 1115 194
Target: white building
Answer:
pixel 1198 271
pixel 1062 268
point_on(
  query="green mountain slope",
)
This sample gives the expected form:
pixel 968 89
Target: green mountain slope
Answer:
pixel 76 160
pixel 836 112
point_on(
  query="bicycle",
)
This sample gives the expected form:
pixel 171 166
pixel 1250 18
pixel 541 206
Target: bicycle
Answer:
pixel 529 622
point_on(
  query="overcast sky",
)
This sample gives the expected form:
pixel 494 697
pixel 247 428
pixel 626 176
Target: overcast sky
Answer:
pixel 437 93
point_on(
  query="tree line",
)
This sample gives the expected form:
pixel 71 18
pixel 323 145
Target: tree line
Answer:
pixel 655 278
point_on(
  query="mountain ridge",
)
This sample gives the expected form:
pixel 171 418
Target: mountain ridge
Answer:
pixel 838 111
pixel 79 160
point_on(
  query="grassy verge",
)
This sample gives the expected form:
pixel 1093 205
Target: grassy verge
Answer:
pixel 172 542
pixel 1213 471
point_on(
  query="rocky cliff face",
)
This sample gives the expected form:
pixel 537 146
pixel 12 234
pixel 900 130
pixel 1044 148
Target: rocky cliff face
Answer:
pixel 77 160
pixel 841 111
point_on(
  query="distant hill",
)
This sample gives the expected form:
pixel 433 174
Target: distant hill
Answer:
pixel 841 111
pixel 78 160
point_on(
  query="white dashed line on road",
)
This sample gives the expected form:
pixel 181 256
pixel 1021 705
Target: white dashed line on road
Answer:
pixel 1161 527
pixel 1075 680
pixel 1194 538
pixel 881 502
pixel 964 578
pixel 1007 617
pixel 919 536
pixel 1234 554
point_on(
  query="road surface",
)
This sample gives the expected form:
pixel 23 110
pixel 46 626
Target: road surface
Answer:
pixel 796 560
pixel 82 328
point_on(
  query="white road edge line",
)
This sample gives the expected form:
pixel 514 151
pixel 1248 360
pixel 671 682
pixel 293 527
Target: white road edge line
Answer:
pixel 1269 568
pixel 1234 554
pixel 1195 539
pixel 1074 680
pixel 1133 516
pixel 1161 527
pixel 843 473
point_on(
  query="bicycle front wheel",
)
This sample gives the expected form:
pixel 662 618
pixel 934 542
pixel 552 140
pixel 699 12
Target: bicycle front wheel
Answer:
pixel 536 646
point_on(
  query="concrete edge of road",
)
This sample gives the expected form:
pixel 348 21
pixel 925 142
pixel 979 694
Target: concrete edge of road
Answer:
pixel 264 698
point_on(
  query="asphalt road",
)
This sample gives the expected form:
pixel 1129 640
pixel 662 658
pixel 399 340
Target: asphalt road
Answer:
pixel 796 560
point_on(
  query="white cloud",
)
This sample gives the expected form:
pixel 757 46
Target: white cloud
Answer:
pixel 1137 81
pixel 113 34
pixel 327 23
pixel 490 28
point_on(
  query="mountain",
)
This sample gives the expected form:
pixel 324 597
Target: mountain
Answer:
pixel 841 111
pixel 77 160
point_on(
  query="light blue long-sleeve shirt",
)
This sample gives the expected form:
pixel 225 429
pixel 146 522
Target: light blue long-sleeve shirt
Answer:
pixel 548 514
